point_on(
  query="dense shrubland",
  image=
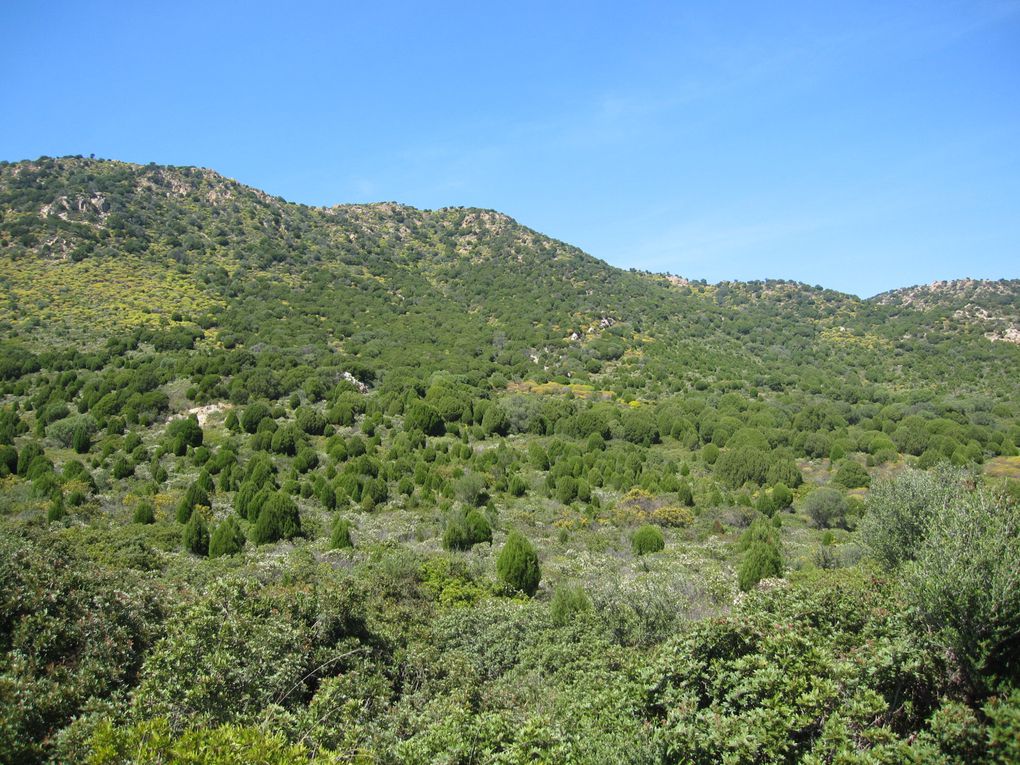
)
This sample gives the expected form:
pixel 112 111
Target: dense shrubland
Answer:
pixel 376 484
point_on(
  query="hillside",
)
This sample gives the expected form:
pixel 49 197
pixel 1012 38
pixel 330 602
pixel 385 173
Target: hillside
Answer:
pixel 370 483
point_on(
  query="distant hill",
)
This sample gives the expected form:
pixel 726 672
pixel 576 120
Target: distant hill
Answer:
pixel 95 249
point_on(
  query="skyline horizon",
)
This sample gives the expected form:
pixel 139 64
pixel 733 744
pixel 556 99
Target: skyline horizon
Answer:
pixel 860 145
pixel 689 276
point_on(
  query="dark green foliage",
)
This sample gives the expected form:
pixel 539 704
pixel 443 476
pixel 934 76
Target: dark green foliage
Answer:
pixel 28 453
pixel 735 467
pixel 250 498
pixel 278 519
pixel 193 497
pixel 285 440
pixel 639 427
pixel 566 489
pixel 182 433
pixel 827 508
pixel 8 460
pixel 196 535
pixel 517 565
pixel 340 537
pixel 253 416
pixel 647 539
pixel 478 528
pixel 851 475
pixel 81 440
pixel 782 497
pixel 710 454
pixel 684 494
pixel 310 421
pixel 421 416
pixel 122 468
pixel 518 486
pixel 227 538
pixel 56 510
pixel 494 421
pixel 144 512
pixel 465 530
pixel 762 560
pixel 783 470
pixel 80 645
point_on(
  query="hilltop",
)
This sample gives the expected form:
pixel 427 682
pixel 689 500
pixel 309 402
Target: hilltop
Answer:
pixel 93 249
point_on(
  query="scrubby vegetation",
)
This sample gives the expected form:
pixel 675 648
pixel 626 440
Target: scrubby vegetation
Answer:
pixel 376 484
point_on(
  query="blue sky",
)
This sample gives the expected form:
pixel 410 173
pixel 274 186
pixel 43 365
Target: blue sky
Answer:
pixel 861 146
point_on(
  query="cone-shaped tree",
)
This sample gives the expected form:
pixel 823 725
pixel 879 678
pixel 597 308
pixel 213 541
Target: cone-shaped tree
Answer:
pixel 762 561
pixel 278 519
pixel 341 536
pixel 478 527
pixel 517 564
pixel 227 538
pixel 194 496
pixel 56 510
pixel 196 535
pixel 81 441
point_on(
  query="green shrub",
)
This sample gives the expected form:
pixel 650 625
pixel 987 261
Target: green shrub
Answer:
pixel 899 511
pixel 253 415
pixel 56 510
pixel 465 530
pixel 826 508
pixel 782 497
pixel 735 467
pixel 227 538
pixel 182 433
pixel 518 486
pixel 685 495
pixel 122 468
pixel 517 565
pixel 193 497
pixel 647 539
pixel 28 453
pixel 762 558
pixel 423 417
pixel 81 437
pixel 8 460
pixel 568 602
pixel 196 535
pixel 963 585
pixel 144 512
pixel 851 475
pixel 710 454
pixel 566 489
pixel 340 537
pixel 278 519
pixel 470 489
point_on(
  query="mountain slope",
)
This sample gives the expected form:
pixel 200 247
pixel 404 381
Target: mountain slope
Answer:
pixel 95 248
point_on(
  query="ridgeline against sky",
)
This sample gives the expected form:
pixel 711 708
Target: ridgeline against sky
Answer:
pixel 862 147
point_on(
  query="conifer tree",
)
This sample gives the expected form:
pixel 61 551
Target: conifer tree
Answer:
pixel 517 564
pixel 341 536
pixel 196 535
pixel 227 538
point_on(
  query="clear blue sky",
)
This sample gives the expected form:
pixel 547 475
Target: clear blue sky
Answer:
pixel 861 146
